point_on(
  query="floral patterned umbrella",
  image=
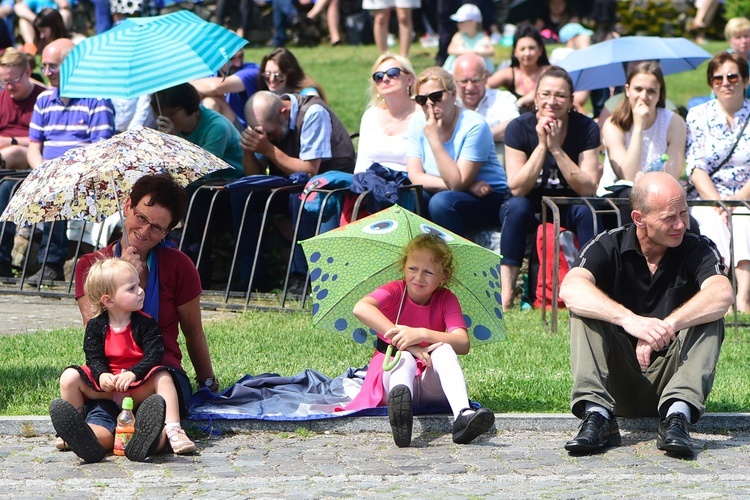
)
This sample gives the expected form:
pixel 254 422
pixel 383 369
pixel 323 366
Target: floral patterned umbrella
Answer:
pixel 90 183
pixel 349 262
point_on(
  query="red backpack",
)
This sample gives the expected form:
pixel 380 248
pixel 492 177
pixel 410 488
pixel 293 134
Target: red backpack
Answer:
pixel 567 255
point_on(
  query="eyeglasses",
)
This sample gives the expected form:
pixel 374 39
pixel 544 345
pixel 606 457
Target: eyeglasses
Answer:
pixel 52 68
pixel 546 96
pixel 732 78
pixel 274 75
pixel 392 73
pixel 435 97
pixel 3 83
pixel 143 221
pixel 465 81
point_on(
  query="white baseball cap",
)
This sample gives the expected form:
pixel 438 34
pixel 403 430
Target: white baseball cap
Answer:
pixel 467 12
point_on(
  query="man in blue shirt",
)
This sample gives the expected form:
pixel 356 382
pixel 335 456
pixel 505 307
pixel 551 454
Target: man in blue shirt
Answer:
pixel 228 92
pixel 291 134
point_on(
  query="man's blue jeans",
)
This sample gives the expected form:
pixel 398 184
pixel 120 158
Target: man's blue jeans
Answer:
pixel 283 11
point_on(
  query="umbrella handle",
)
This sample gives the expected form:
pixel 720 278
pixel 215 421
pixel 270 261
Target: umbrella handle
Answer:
pixel 388 363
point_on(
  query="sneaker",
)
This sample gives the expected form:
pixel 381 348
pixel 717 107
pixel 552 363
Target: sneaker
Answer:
pixel 468 426
pixel 50 273
pixel 71 428
pixel 400 415
pixel 149 422
pixel 179 441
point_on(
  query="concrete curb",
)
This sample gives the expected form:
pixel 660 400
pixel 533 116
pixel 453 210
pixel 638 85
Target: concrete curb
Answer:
pixel 711 423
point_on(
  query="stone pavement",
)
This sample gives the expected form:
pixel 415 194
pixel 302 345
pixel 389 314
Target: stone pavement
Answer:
pixel 356 458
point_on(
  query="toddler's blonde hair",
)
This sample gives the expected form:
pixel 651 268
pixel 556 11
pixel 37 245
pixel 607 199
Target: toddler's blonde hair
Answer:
pixel 102 280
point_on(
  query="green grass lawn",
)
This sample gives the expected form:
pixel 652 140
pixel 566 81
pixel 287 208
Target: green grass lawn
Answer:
pixel 529 373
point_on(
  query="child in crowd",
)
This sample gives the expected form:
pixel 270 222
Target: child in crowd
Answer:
pixel 469 38
pixel 423 319
pixel 123 356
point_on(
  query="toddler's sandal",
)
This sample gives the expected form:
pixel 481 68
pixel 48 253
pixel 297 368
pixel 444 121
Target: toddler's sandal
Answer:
pixel 180 443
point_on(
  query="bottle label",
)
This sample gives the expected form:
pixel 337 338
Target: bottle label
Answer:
pixel 121 441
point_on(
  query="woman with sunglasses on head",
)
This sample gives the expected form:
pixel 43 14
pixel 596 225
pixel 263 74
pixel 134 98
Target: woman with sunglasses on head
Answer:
pixel 281 74
pixel 384 125
pixel 553 151
pixel 172 291
pixel 640 131
pixel 527 63
pixel 451 153
pixel 718 163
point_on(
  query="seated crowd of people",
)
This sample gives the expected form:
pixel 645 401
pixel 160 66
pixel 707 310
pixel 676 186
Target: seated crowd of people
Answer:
pixel 483 157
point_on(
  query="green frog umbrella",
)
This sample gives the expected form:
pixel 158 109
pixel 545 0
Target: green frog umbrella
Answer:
pixel 350 262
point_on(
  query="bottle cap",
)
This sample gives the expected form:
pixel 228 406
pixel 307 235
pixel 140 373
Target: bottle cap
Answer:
pixel 127 403
pixel 664 157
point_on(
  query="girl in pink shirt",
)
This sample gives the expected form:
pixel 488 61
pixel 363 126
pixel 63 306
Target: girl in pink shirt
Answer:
pixel 421 318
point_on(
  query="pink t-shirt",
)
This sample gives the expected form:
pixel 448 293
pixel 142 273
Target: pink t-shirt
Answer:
pixel 442 314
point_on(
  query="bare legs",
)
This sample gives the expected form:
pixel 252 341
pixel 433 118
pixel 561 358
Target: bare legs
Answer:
pixel 508 278
pixel 405 28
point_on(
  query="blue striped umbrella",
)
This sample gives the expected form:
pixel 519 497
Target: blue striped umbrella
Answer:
pixel 145 55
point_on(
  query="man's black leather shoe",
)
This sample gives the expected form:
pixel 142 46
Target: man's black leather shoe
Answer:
pixel 596 432
pixel 674 436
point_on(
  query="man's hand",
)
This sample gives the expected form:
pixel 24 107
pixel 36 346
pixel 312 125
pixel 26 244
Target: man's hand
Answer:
pixel 255 140
pixel 655 332
pixel 164 125
pixel 643 354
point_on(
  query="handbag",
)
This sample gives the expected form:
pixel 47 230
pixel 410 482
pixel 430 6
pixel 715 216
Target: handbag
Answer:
pixel 691 193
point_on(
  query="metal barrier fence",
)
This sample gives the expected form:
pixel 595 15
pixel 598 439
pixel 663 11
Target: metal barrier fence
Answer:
pixel 204 207
pixel 601 206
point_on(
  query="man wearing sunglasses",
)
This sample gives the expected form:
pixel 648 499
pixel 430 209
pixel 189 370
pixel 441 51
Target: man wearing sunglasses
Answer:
pixel 57 125
pixel 17 98
pixel 286 135
pixel 498 107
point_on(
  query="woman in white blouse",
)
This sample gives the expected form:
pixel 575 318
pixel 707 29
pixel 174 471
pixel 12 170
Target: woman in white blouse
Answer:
pixel 382 131
pixel 640 131
pixel 718 169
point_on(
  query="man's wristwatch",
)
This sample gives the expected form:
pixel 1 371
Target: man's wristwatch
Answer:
pixel 13 141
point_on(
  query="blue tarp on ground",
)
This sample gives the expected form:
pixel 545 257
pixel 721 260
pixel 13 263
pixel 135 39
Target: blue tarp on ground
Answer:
pixel 309 395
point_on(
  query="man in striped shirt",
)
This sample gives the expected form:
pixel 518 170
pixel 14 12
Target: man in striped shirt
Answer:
pixel 57 125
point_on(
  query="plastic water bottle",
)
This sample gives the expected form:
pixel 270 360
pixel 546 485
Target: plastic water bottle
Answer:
pixel 657 165
pixel 125 426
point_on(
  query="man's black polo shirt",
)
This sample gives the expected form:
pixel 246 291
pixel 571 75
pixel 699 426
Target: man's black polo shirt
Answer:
pixel 620 269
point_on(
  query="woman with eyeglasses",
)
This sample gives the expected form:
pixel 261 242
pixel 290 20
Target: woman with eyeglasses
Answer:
pixel 384 125
pixel 281 74
pixel 451 153
pixel 639 132
pixel 718 163
pixel 553 151
pixel 172 292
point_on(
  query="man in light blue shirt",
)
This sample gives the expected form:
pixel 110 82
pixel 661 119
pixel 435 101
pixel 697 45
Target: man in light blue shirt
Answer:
pixel 291 134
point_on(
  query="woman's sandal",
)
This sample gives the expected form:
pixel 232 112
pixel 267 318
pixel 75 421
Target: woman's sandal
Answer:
pixel 179 441
pixel 61 445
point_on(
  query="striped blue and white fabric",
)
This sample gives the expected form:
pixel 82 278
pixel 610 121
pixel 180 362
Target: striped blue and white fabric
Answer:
pixel 144 55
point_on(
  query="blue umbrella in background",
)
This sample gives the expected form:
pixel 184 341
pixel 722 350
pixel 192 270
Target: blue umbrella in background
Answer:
pixel 144 55
pixel 603 64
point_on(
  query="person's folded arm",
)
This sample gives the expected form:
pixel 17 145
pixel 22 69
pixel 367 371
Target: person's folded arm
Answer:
pixel 709 304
